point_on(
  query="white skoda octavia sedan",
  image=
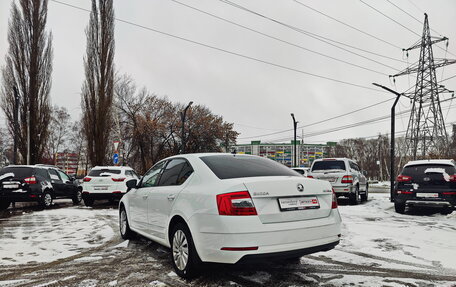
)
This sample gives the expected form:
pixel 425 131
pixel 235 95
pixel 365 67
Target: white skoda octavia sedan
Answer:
pixel 226 208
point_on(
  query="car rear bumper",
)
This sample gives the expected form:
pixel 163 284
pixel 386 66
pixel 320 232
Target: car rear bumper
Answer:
pixel 343 190
pixel 102 195
pixel 425 203
pixel 20 196
pixel 270 240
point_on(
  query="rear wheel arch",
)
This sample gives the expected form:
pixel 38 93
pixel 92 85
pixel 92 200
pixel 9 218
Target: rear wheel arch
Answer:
pixel 173 222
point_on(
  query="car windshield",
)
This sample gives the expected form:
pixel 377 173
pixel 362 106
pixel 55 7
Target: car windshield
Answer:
pixel 19 172
pixel 238 166
pixel 328 165
pixel 104 172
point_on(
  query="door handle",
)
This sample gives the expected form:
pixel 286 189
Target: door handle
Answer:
pixel 171 197
pixel 145 196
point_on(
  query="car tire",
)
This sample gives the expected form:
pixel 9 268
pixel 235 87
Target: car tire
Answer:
pixel 88 201
pixel 4 204
pixel 365 196
pixel 124 226
pixel 77 198
pixel 399 207
pixel 354 197
pixel 46 200
pixel 182 246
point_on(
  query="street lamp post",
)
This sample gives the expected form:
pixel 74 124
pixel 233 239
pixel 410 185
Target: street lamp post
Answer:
pixel 295 124
pixel 183 114
pixel 392 148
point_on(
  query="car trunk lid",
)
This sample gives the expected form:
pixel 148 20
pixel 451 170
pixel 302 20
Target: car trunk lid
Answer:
pixel 285 199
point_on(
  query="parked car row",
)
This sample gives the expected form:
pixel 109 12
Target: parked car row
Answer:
pixel 421 183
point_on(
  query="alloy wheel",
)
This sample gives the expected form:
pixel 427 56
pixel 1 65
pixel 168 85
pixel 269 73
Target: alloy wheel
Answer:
pixel 180 250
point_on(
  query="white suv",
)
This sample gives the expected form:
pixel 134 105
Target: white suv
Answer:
pixel 345 176
pixel 106 182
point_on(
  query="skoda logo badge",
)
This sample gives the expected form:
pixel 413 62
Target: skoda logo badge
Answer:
pixel 300 187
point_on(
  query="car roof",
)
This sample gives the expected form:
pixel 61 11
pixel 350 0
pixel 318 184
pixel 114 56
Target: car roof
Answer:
pixel 431 161
pixel 111 167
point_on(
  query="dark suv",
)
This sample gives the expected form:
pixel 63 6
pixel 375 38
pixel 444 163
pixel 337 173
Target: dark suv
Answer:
pixel 426 183
pixel 19 183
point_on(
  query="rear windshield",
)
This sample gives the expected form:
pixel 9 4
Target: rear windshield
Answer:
pixel 328 165
pixel 237 166
pixel 418 172
pixel 19 172
pixel 98 172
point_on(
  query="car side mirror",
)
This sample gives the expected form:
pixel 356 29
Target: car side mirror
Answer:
pixel 131 184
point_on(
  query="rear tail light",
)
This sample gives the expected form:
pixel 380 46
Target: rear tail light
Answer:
pixel 334 201
pixel 453 178
pixel 235 203
pixel 117 191
pixel 347 179
pixel 30 180
pixel 239 248
pixel 450 193
pixel 87 179
pixel 118 179
pixel 403 178
pixel 404 192
pixel 309 176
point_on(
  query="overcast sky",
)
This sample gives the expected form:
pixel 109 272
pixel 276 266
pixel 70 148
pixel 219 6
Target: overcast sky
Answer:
pixel 267 79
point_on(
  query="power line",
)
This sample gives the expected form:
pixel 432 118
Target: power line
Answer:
pixel 378 11
pixel 352 125
pixel 227 51
pixel 277 39
pixel 401 24
pixel 321 121
pixel 304 32
pixel 348 25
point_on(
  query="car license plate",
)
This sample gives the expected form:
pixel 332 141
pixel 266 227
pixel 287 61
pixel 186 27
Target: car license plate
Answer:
pixel 13 185
pixel 100 188
pixel 297 203
pixel 432 195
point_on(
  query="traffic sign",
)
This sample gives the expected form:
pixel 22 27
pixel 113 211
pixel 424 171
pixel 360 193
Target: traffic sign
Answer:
pixel 116 145
pixel 115 158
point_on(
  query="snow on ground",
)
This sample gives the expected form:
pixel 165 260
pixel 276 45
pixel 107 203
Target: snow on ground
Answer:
pixel 53 234
pixel 379 184
pixel 374 228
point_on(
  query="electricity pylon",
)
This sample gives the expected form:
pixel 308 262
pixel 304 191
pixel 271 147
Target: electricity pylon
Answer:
pixel 426 132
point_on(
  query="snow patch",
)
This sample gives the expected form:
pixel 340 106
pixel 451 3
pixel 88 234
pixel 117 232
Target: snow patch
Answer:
pixel 258 277
pixel 157 283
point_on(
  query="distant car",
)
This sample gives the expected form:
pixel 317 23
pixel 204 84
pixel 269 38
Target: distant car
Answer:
pixel 226 208
pixel 301 170
pixel 40 183
pixel 426 183
pixel 345 176
pixel 106 182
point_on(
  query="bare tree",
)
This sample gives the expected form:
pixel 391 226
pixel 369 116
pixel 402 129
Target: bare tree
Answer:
pixel 98 88
pixel 28 69
pixel 59 131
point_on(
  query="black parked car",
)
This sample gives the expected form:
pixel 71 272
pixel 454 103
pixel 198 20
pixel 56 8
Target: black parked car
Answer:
pixel 40 183
pixel 426 183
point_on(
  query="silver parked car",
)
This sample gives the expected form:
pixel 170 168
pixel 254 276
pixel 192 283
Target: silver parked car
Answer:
pixel 345 176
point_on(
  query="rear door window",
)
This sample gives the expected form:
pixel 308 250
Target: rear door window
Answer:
pixel 54 175
pixel 171 172
pixel 329 165
pixel 43 173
